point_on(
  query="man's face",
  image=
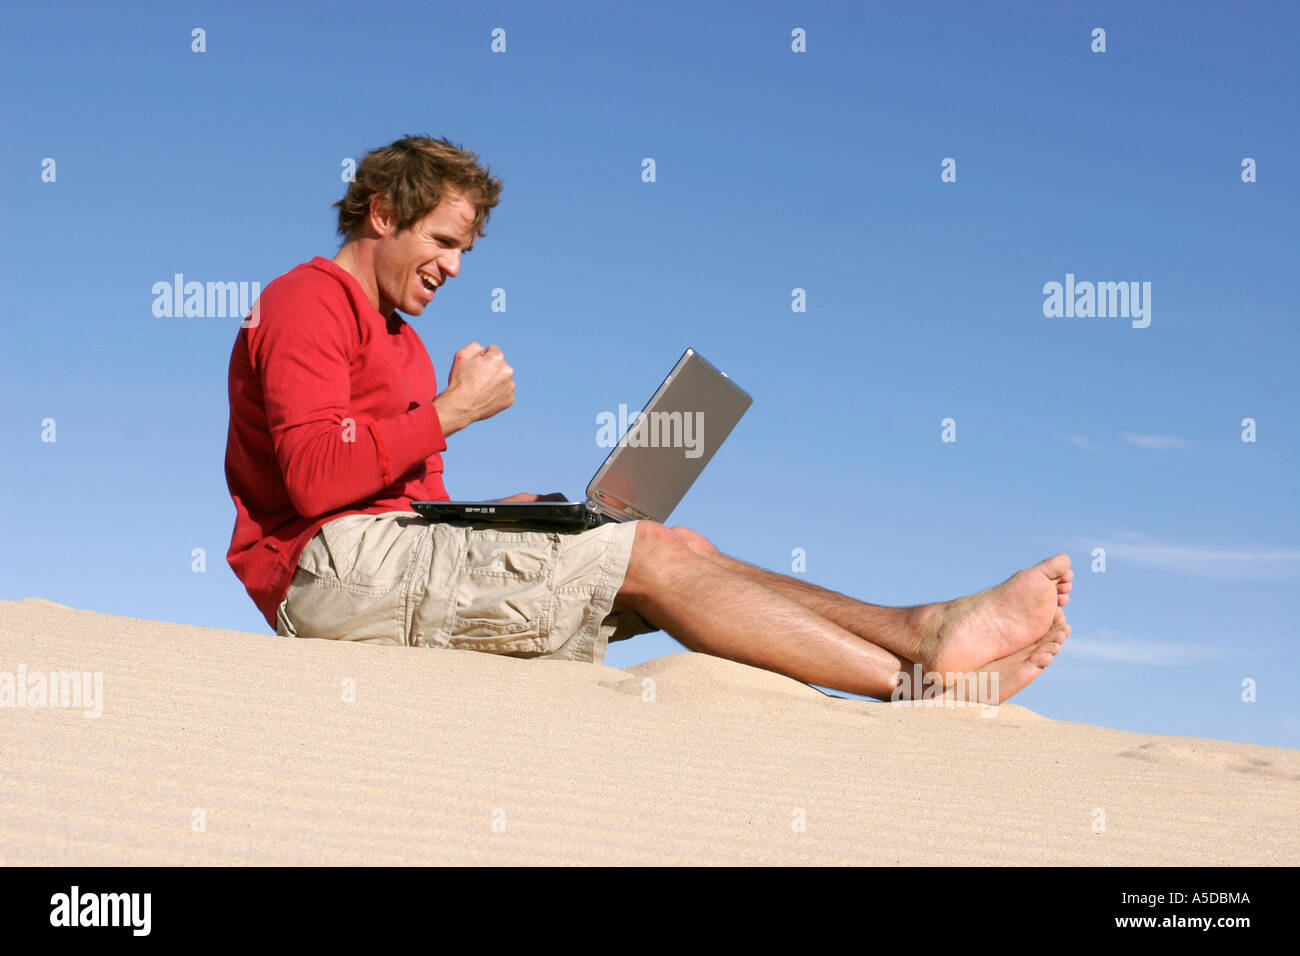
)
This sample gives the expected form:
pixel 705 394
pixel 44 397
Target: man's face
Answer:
pixel 410 265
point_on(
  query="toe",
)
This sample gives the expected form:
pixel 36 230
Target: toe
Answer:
pixel 1055 566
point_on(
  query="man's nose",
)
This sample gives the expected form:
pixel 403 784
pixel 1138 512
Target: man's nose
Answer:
pixel 451 263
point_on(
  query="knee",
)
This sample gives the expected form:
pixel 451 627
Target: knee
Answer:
pixel 654 541
pixel 694 540
pixel 653 549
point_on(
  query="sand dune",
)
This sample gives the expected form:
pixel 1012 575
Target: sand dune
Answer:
pixel 222 747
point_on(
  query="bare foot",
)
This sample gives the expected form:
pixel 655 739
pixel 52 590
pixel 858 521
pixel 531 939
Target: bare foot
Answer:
pixel 993 625
pixel 993 683
pixel 1017 671
pixel 996 682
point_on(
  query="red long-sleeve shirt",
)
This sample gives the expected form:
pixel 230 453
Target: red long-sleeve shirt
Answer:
pixel 331 413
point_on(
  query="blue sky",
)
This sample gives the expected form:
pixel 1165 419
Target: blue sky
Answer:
pixel 775 170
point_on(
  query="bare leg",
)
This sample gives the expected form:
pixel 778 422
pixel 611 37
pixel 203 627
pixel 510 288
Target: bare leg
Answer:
pixel 715 610
pixel 959 635
pixel 896 628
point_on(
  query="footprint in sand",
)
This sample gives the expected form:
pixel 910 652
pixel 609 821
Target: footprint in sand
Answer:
pixel 1234 760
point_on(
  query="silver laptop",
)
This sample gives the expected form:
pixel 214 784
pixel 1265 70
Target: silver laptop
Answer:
pixel 657 455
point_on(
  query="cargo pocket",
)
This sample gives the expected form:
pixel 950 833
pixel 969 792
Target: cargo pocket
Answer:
pixel 504 600
pixel 367 554
pixel 348 582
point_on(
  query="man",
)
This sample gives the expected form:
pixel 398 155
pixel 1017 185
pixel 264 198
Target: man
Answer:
pixel 336 426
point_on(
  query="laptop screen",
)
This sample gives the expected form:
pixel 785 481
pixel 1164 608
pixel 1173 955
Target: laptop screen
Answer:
pixel 669 442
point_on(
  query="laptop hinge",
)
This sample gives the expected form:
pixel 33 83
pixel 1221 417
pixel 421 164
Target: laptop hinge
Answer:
pixel 626 513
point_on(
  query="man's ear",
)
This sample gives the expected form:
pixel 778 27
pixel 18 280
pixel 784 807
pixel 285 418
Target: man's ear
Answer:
pixel 381 214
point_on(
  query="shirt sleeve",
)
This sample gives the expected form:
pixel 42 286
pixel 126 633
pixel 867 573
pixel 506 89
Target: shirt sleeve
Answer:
pixel 302 349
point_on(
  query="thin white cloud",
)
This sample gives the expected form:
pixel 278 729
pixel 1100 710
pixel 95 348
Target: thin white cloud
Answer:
pixel 1082 441
pixel 1206 561
pixel 1108 648
pixel 1158 442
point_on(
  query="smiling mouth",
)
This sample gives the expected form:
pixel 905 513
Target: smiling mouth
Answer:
pixel 428 281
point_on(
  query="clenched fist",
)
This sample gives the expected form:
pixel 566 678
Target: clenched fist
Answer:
pixel 479 385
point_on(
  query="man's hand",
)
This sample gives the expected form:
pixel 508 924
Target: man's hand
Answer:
pixel 479 385
pixel 529 496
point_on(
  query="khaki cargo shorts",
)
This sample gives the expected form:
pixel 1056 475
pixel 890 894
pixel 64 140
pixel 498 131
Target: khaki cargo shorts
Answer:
pixel 397 578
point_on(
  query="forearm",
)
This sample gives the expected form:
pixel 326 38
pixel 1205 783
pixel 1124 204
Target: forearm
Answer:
pixel 333 467
pixel 454 413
